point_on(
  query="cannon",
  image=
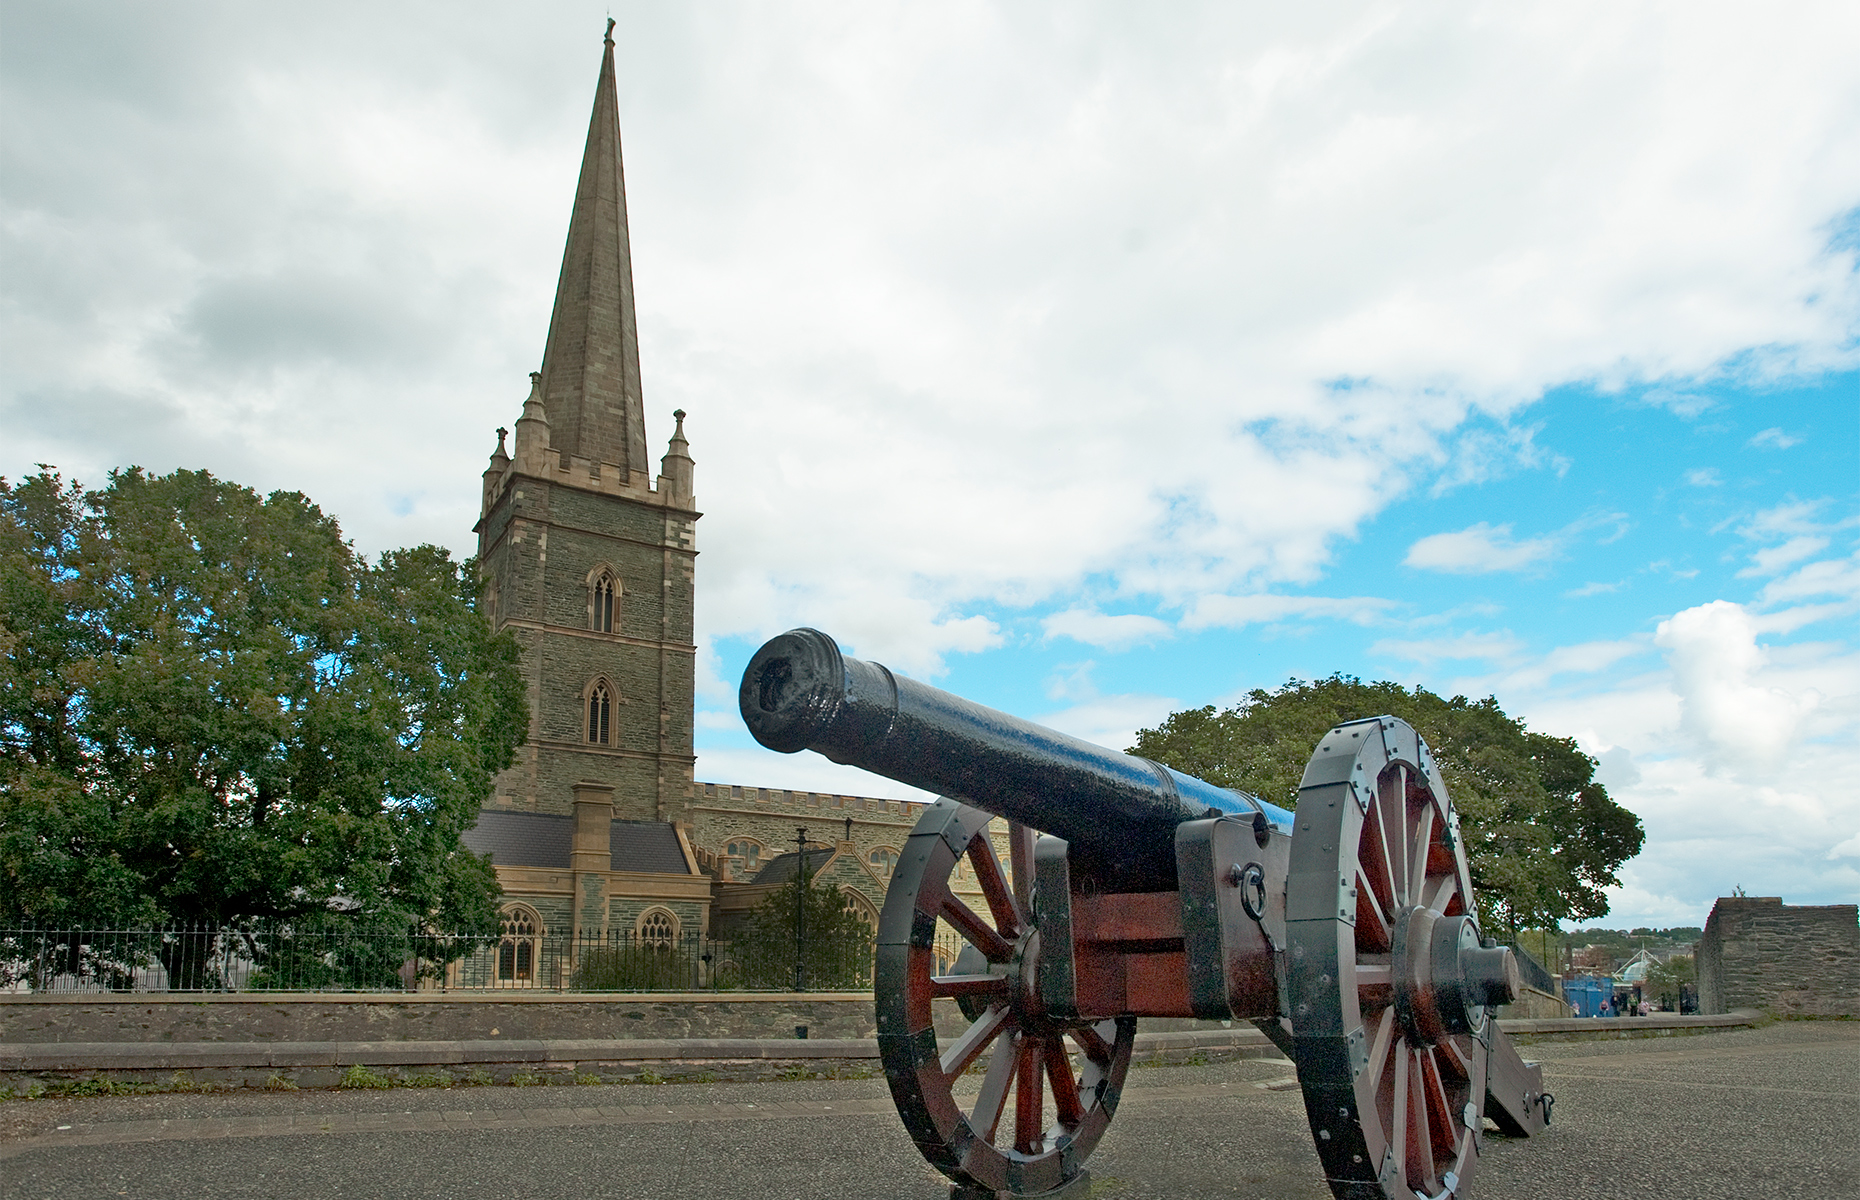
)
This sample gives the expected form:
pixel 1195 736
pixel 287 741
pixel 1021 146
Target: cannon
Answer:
pixel 1345 930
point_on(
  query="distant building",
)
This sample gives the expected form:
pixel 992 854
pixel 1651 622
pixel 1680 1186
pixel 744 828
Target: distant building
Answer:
pixel 1796 960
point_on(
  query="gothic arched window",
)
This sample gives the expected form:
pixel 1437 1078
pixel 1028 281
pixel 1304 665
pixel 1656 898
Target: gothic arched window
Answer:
pixel 600 713
pixel 748 855
pixel 517 950
pixel 604 601
pixel 884 861
pixel 656 927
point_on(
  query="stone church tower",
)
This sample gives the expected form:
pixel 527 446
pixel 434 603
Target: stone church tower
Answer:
pixel 598 834
pixel 589 562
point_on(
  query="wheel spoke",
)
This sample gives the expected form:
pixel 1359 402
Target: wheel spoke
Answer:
pixel 1423 833
pixel 1439 1108
pixel 979 933
pixel 1010 916
pixel 1372 921
pixel 965 1049
pixel 1029 1128
pixel 1372 975
pixel 1373 859
pixel 1065 1087
pixel 1392 813
pixel 985 1118
pixel 1418 1144
pixel 1096 1049
pixel 1398 1129
pixel 1378 1058
pixel 1020 861
pixel 1442 894
pixel 968 985
pixel 1460 1063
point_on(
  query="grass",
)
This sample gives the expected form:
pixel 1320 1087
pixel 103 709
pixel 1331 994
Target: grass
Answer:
pixel 359 1076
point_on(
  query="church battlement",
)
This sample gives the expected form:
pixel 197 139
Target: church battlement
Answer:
pixel 766 800
pixel 609 479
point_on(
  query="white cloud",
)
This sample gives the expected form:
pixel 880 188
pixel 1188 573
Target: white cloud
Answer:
pixel 1111 721
pixel 1586 658
pixel 972 304
pixel 1072 681
pixel 1106 631
pixel 1847 849
pixel 1683 404
pixel 1492 647
pixel 1775 438
pixel 805 771
pixel 1734 719
pixel 1479 549
pixel 1788 519
pixel 1704 477
pixel 944 347
pixel 1593 589
pixel 1772 559
pixel 1829 577
pixel 1233 612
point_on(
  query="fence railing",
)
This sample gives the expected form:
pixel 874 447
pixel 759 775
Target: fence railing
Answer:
pixel 1534 973
pixel 297 958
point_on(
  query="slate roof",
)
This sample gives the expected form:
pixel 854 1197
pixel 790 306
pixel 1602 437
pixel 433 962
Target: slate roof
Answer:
pixel 782 867
pixel 647 846
pixel 525 839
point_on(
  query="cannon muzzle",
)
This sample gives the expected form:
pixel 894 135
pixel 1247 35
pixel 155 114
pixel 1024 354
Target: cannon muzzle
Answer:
pixel 1117 811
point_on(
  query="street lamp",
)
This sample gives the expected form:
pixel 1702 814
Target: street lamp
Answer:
pixel 800 910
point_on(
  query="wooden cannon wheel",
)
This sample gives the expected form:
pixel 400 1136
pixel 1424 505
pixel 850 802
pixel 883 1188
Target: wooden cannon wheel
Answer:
pixel 1381 933
pixel 1034 1118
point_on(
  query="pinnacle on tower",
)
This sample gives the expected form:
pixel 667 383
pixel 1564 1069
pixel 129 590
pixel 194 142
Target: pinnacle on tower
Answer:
pixel 494 472
pixel 590 370
pixel 534 432
pixel 675 468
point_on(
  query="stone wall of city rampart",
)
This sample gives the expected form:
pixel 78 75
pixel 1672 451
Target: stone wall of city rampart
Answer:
pixel 1793 960
pixel 416 1017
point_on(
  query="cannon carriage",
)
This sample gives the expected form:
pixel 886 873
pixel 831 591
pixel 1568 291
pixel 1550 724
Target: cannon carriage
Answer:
pixel 1346 931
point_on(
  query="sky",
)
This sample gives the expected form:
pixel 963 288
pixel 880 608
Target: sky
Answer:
pixel 1090 361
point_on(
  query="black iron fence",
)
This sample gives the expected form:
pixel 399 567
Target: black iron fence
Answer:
pixel 299 958
pixel 1534 974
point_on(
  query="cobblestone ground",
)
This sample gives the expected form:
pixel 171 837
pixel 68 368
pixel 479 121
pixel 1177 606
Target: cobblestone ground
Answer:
pixel 1769 1112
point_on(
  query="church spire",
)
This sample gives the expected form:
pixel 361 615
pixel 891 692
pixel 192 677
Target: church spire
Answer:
pixel 591 361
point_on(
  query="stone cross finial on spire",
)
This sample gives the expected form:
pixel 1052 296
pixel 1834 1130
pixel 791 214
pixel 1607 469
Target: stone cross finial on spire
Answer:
pixel 610 31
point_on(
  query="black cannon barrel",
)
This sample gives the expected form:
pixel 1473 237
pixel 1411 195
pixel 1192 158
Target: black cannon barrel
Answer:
pixel 1118 811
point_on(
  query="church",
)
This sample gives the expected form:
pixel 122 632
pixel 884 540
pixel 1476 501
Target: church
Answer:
pixel 599 831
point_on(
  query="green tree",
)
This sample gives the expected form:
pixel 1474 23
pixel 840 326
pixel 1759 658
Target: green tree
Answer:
pixel 1666 980
pixel 212 710
pixel 836 950
pixel 1542 837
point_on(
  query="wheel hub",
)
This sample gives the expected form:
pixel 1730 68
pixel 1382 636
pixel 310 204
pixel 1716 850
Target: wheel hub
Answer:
pixel 1444 978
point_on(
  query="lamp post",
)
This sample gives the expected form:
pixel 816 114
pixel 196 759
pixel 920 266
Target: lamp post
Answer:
pixel 800 910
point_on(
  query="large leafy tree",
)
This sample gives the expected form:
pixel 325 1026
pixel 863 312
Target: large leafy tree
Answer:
pixel 213 711
pixel 1543 837
pixel 835 946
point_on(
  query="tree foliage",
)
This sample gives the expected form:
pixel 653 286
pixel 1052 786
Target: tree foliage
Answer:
pixel 1542 836
pixel 1667 978
pixel 836 950
pixel 213 710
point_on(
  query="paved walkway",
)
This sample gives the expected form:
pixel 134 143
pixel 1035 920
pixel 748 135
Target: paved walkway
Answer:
pixel 1772 1112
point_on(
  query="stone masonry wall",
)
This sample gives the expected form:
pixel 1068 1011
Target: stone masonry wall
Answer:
pixel 425 1018
pixel 1795 960
pixel 540 544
